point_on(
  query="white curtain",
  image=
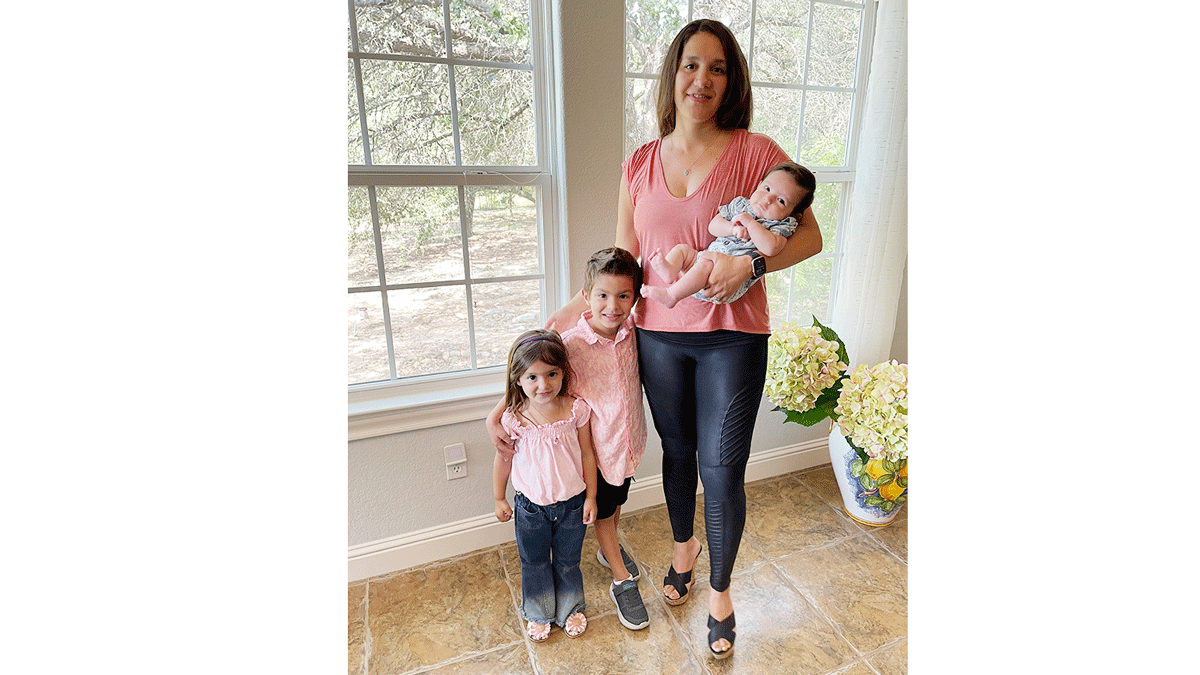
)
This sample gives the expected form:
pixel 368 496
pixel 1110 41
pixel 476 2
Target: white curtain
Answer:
pixel 875 246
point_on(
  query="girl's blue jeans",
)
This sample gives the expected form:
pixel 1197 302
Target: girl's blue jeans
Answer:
pixel 550 543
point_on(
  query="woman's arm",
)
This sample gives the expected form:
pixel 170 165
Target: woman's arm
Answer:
pixel 802 245
pixel 729 272
pixel 505 446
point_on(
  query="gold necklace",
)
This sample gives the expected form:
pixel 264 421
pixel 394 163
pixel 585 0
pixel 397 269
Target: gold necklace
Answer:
pixel 702 153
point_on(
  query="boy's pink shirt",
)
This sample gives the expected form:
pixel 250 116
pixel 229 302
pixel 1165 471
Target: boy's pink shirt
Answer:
pixel 548 466
pixel 662 220
pixel 605 374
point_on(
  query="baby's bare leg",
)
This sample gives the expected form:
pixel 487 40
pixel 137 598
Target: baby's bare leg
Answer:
pixel 694 279
pixel 676 260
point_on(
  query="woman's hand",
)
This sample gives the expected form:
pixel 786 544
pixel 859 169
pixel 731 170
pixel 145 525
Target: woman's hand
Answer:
pixel 562 320
pixel 567 317
pixel 506 446
pixel 728 274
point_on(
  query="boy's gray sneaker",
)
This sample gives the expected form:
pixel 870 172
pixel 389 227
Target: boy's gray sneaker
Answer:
pixel 629 566
pixel 630 608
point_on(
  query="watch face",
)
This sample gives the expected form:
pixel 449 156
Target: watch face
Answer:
pixel 760 266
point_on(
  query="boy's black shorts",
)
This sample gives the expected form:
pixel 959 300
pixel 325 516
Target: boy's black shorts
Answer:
pixel 609 497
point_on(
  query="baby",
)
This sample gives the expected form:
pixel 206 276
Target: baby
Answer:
pixel 760 224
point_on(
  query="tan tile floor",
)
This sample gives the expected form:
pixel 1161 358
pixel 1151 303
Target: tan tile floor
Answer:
pixel 814 593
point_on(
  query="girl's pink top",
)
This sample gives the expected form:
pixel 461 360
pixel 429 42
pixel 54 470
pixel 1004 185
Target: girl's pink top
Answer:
pixel 548 466
pixel 662 220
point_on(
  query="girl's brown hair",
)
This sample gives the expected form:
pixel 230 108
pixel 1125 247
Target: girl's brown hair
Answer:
pixel 530 347
pixel 737 108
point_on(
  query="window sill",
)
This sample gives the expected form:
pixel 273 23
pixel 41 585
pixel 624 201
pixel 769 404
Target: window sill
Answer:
pixel 393 410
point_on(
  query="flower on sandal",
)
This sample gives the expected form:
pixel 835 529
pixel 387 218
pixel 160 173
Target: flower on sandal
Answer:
pixel 576 623
pixel 537 631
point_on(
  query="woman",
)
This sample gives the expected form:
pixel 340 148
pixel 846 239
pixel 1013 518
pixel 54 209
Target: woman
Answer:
pixel 703 365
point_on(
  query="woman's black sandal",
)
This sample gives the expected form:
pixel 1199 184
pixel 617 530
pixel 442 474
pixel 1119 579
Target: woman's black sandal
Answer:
pixel 679 581
pixel 718 630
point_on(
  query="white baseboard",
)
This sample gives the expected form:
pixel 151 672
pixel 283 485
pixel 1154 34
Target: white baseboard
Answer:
pixel 422 547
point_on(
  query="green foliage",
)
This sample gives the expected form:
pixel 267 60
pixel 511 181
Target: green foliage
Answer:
pixel 828 333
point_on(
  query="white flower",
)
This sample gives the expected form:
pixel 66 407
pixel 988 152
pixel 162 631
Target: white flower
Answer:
pixel 800 365
pixel 873 409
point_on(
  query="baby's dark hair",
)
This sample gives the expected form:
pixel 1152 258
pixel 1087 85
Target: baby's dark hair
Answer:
pixel 616 261
pixel 530 347
pixel 804 178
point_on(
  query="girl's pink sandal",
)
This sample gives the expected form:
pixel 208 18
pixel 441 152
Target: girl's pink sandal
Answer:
pixel 538 632
pixel 576 624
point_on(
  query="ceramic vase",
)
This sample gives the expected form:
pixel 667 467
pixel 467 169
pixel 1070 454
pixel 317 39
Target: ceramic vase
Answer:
pixel 872 492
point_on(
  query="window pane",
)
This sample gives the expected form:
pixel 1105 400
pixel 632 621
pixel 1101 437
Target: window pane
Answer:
pixel 503 238
pixel 353 124
pixel 780 37
pixel 650 25
pixel 361 268
pixel 495 116
pixel 422 238
pixel 826 128
pixel 503 311
pixel 368 360
pixel 641 120
pixel 735 14
pixel 401 27
pixel 834 47
pixel 800 292
pixel 408 112
pixel 429 330
pixel 494 31
pixel 776 114
pixel 825 208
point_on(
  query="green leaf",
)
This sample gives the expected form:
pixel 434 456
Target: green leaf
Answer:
pixel 903 482
pixel 873 501
pixel 885 479
pixel 856 468
pixel 902 498
pixel 828 399
pixel 829 334
pixel 888 506
pixel 807 418
pixel 862 455
pixel 889 466
pixel 867 483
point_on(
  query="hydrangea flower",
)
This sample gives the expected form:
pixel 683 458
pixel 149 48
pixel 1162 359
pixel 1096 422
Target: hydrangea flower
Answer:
pixel 872 410
pixel 800 366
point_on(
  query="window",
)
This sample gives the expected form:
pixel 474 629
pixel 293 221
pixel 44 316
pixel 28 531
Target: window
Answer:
pixel 451 204
pixel 807 61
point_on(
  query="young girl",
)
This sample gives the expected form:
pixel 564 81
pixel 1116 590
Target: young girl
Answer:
pixel 554 475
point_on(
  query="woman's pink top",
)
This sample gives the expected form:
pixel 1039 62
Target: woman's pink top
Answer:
pixel 662 220
pixel 548 466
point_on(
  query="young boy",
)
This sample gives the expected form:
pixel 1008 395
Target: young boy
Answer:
pixel 603 356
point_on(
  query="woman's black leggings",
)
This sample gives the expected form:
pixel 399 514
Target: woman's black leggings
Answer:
pixel 704 390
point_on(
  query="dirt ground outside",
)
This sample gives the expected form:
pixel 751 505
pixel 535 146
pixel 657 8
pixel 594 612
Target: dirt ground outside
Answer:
pixel 429 325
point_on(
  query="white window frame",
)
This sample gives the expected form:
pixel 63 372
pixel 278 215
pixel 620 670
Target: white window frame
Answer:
pixel 398 405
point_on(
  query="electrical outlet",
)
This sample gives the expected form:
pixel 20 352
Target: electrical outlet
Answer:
pixel 456 461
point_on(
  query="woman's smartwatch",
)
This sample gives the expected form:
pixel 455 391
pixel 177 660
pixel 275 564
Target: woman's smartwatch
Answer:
pixel 759 263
